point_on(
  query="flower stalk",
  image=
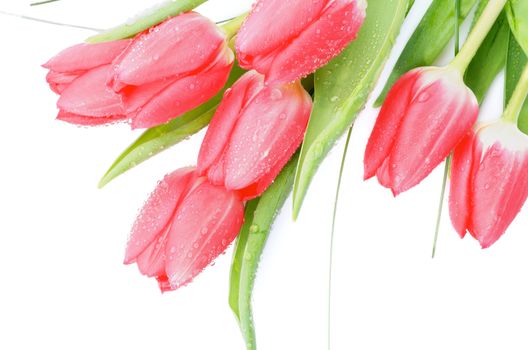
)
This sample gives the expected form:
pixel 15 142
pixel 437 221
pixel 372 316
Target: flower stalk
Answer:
pixel 477 35
pixel 513 109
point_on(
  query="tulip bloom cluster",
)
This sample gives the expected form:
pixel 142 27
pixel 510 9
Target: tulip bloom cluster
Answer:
pixel 160 74
pixel 194 214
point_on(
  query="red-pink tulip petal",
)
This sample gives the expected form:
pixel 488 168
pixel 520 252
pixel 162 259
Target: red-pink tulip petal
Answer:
pixel 151 261
pixel 263 31
pixel 206 222
pixel 158 212
pixel 383 174
pixel 83 57
pixel 267 133
pixel 317 44
pixel 389 119
pixel 88 95
pixel 303 38
pixel 500 185
pixel 177 47
pixel 224 120
pixel 88 120
pixel 60 81
pixel 439 116
pixel 466 157
pixel 183 95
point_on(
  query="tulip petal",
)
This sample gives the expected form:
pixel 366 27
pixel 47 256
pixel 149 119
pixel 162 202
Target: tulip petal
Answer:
pixel 206 222
pixel 267 134
pixel 183 95
pixel 437 119
pixel 260 34
pixel 88 95
pixel 225 118
pixel 466 158
pixel 83 57
pixel 500 189
pixel 151 261
pixel 177 47
pixel 157 212
pixel 321 41
pixel 388 122
pixel 88 121
pixel 60 81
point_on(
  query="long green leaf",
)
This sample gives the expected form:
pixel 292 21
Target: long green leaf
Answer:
pixel 165 10
pixel 517 11
pixel 342 88
pixel 489 59
pixel 428 40
pixel 259 217
pixel 516 62
pixel 161 137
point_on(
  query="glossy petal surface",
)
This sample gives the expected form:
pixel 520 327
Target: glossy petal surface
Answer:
pixel 84 56
pixel 88 95
pixel 157 212
pixel 177 47
pixel 206 222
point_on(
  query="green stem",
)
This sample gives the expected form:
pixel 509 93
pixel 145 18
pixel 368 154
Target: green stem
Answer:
pixel 441 204
pixel 513 109
pixel 42 2
pixel 477 35
pixel 457 26
pixel 330 259
pixel 232 27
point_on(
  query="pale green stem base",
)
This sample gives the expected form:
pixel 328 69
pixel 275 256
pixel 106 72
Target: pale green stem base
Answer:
pixel 477 35
pixel 512 111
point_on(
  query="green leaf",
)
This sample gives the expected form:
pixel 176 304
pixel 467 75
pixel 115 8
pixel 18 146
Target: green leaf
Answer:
pixel 342 88
pixel 517 11
pixel 167 9
pixel 428 40
pixel 159 138
pixel 259 216
pixel 515 64
pixel 489 59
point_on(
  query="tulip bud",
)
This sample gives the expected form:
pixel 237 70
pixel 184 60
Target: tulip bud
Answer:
pixel 185 224
pixel 426 114
pixel 488 181
pixel 79 75
pixel 287 40
pixel 253 134
pixel 171 69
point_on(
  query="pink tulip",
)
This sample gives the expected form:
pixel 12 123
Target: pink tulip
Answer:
pixel 426 114
pixel 253 134
pixel 488 181
pixel 185 224
pixel 286 40
pixel 171 69
pixel 79 75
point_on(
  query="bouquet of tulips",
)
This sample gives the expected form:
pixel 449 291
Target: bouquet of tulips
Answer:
pixel 277 87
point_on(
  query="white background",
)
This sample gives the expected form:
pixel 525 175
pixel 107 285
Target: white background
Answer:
pixel 63 284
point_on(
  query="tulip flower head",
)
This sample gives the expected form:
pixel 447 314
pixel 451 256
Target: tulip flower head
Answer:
pixel 426 114
pixel 185 224
pixel 149 80
pixel 286 40
pixel 171 69
pixel 488 181
pixel 78 74
pixel 253 134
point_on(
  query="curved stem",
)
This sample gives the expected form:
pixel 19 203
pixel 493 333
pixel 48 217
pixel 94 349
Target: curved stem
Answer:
pixel 441 204
pixel 330 259
pixel 477 35
pixel 513 109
